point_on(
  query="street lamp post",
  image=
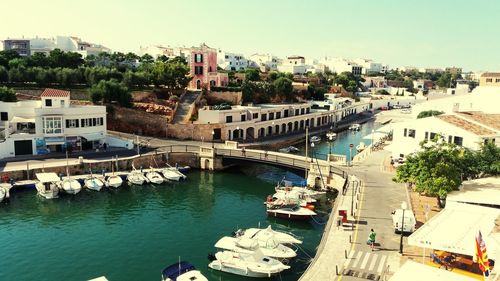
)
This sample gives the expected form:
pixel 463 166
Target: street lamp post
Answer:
pixel 373 132
pixel 350 154
pixel 312 152
pixel 403 207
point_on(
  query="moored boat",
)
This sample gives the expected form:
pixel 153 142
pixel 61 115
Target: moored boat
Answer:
pixel 154 177
pixel 360 147
pixel 355 127
pixel 182 271
pixel 70 186
pixel 291 212
pixel 264 234
pixel 114 181
pixel 289 149
pixel 2 194
pixel 172 174
pixel 251 265
pixel 93 183
pixel 315 139
pixel 136 177
pixel 246 245
pixel 47 185
pixel 331 136
pixel 5 187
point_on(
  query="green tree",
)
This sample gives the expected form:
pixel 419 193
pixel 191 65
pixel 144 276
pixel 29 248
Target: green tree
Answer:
pixel 283 87
pixel 171 75
pixel 383 92
pixel 429 113
pixel 58 58
pixel 8 55
pixel 111 91
pixel 7 95
pixel 252 74
pixel 37 60
pixel 4 74
pixel 146 58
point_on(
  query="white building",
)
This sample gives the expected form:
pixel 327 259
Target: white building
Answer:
pixel 339 65
pixel 156 51
pixel 66 44
pixel 265 62
pixel 51 124
pixel 232 61
pixel 468 129
pixel 369 66
pixel 294 65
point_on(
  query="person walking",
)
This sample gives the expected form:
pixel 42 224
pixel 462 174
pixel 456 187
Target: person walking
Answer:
pixel 371 238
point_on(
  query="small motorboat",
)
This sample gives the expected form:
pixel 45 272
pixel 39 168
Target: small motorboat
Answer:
pixel 136 177
pixel 331 136
pixel 70 186
pixel 289 149
pixel 172 174
pixel 264 234
pixel 93 183
pixel 250 265
pixel 114 181
pixel 355 127
pixel 246 245
pixel 315 139
pixel 360 147
pixel 48 185
pixel 183 169
pixel 292 213
pixel 287 186
pixel 154 177
pixel 5 190
pixel 182 271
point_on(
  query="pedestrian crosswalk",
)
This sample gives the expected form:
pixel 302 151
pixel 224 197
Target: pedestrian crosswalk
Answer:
pixel 365 265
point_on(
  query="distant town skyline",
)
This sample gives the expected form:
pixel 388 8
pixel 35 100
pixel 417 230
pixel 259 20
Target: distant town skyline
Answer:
pixel 398 33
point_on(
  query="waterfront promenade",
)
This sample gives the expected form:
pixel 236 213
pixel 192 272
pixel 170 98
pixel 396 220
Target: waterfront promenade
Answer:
pixel 343 250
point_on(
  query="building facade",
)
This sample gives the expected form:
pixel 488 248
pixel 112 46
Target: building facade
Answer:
pixel 490 79
pixel 294 65
pixel 21 46
pixel 50 125
pixel 203 69
pixel 247 123
pixel 264 62
pixel 231 61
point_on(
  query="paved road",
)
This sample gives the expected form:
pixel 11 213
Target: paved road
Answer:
pixel 381 196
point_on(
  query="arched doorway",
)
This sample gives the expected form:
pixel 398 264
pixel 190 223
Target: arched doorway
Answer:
pixel 269 130
pixel 296 125
pixel 283 128
pixel 250 133
pixel 198 84
pixel 277 129
pixel 290 127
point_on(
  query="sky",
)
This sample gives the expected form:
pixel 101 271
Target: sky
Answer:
pixel 423 33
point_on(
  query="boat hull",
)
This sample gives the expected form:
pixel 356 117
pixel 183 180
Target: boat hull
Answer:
pixel 94 184
pixel 224 267
pixel 277 214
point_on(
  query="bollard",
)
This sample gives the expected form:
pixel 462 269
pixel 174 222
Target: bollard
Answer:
pixel 350 241
pixel 337 269
pixel 345 253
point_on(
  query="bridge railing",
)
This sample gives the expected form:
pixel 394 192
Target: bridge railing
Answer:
pixel 180 148
pixel 264 156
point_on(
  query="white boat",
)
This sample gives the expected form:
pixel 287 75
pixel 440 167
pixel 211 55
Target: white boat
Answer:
pixel 264 234
pixel 355 127
pixel 136 177
pixel 182 271
pixel 154 177
pixel 360 147
pixel 114 181
pixel 5 188
pixel 315 139
pixel 247 245
pixel 291 212
pixel 331 136
pixel 289 149
pixel 172 174
pixel 70 186
pixel 250 265
pixel 47 185
pixel 93 183
pixel 287 186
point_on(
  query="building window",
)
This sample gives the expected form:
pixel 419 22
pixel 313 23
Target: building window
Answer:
pixel 271 115
pixel 263 117
pixel 458 140
pixel 278 115
pixel 308 110
pixel 489 80
pixel 302 111
pixel 497 80
pixel 4 116
pixel 296 112
pixel 255 116
pixel 48 102
pixel 426 135
pixel 52 125
pixel 62 103
pixel 450 139
pixel 243 118
pixel 72 123
pixel 198 70
pixel 94 122
pixel 229 119
pixel 432 136
pixel 198 58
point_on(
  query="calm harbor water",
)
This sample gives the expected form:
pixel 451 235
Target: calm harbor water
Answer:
pixel 133 233
pixel 341 144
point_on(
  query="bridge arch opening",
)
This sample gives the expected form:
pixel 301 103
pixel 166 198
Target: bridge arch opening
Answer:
pixel 283 128
pixel 296 125
pixel 250 133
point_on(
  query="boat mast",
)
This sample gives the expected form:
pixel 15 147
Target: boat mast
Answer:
pixel 307 144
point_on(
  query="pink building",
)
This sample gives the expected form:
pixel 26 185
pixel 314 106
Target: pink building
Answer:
pixel 203 69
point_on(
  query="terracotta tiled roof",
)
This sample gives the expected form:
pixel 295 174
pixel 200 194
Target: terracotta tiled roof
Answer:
pixel 490 120
pixel 55 93
pixel 466 125
pixel 491 74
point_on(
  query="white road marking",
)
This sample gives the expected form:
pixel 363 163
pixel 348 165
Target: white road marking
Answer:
pixel 381 265
pixel 358 258
pixel 374 261
pixel 365 261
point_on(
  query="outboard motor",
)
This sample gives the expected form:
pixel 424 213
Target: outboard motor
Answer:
pixel 211 257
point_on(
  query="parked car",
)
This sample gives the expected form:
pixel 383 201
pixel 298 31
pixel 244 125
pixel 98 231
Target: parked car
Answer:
pixel 384 108
pixel 410 222
pixel 396 106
